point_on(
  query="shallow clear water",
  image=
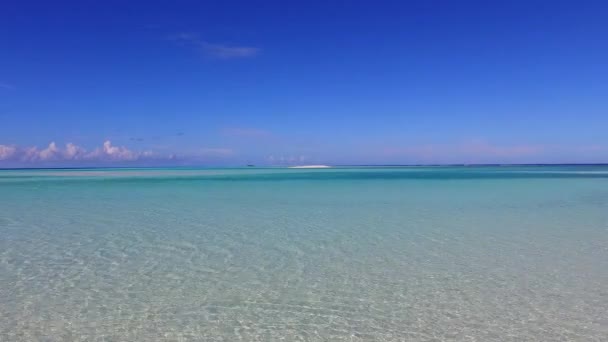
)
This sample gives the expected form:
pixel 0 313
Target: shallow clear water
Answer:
pixel 368 254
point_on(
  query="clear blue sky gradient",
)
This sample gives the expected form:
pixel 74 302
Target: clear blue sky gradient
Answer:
pixel 297 82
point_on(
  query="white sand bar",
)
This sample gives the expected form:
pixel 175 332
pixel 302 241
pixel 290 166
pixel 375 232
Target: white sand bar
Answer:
pixel 310 167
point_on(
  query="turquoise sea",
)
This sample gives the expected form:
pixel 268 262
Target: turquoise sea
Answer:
pixel 342 254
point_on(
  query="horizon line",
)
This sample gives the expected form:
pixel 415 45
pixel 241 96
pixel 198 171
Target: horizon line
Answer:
pixel 287 166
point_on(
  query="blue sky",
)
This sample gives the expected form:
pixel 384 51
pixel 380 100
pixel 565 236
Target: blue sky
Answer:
pixel 300 82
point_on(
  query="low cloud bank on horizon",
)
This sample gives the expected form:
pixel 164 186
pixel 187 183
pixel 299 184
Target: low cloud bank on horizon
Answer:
pixel 468 152
pixel 106 154
pixel 71 152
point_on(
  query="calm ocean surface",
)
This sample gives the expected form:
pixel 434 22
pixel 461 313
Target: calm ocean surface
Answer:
pixel 343 254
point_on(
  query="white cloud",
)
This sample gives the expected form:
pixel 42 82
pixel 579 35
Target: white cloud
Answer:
pixel 72 152
pixel 219 51
pixel 49 153
pixel 107 153
pixel 6 152
pixel 29 154
pixel 116 153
